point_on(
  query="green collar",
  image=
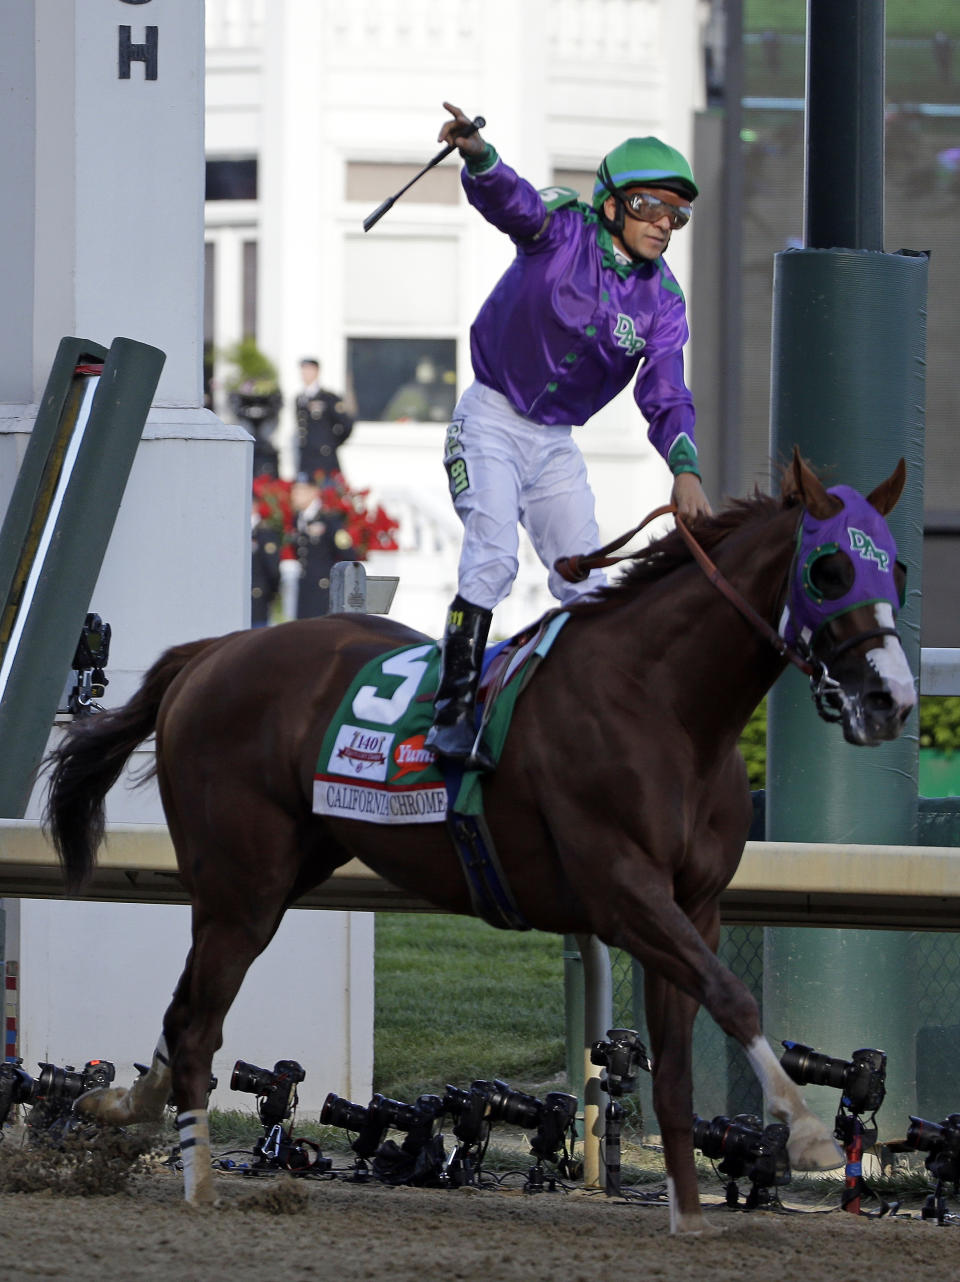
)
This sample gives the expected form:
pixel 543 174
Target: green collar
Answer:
pixel 607 251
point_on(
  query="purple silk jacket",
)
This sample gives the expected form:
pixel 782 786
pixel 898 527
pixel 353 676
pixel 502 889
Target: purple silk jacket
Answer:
pixel 567 325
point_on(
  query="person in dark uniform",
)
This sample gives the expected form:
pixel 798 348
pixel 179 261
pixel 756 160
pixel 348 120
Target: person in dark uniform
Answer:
pixel 321 541
pixel 323 423
pixel 264 569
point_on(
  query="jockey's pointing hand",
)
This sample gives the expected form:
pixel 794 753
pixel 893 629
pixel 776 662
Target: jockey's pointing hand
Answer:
pixel 472 144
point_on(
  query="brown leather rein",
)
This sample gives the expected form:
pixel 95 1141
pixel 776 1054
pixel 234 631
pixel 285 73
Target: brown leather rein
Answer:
pixel 576 568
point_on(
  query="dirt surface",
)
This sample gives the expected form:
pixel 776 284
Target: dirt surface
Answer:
pixel 280 1228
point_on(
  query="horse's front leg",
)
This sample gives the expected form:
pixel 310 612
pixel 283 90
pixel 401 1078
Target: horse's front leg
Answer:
pixel 654 929
pixel 811 1147
pixel 670 1015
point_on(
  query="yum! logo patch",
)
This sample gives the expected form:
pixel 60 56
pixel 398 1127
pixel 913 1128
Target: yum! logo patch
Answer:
pixel 410 757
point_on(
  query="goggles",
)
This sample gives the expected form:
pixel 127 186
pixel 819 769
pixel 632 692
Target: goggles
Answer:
pixel 650 209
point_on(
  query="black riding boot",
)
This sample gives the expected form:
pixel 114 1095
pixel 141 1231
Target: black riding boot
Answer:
pixel 452 734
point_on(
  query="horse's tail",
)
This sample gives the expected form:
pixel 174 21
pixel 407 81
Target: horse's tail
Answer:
pixel 88 762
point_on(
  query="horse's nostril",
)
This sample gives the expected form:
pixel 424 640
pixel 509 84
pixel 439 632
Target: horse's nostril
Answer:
pixel 879 702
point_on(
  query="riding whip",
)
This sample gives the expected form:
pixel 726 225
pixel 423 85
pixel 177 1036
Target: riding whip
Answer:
pixel 380 210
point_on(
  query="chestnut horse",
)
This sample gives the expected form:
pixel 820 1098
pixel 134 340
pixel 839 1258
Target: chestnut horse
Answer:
pixel 620 805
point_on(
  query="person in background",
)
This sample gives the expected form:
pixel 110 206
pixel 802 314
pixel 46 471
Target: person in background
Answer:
pixel 587 303
pixel 321 541
pixel 323 423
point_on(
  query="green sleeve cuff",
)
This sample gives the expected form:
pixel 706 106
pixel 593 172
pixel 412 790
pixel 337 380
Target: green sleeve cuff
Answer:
pixel 682 456
pixel 480 164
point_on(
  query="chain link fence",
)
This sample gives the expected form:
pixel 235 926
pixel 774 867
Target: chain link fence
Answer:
pixel 724 1082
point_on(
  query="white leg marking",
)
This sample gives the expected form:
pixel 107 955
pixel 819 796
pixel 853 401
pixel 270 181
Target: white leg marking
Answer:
pixel 689 1225
pixel 811 1146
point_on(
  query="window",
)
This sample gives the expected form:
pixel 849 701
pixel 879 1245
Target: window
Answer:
pixel 403 379
pixel 232 179
pixel 580 180
pixel 373 183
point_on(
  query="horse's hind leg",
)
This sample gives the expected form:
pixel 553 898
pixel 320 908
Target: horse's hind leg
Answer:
pixel 220 957
pixel 222 953
pixel 144 1101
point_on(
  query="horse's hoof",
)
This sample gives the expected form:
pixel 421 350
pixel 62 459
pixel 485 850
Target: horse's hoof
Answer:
pixel 201 1205
pixel 811 1146
pixel 693 1226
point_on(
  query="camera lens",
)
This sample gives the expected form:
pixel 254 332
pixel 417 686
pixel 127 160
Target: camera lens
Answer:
pixel 249 1078
pixel 514 1107
pixel 342 1113
pixel 736 1138
pixel 805 1065
pixel 59 1085
pixel 393 1112
pixel 923 1135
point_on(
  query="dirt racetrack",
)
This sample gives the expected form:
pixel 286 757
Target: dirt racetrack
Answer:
pixel 277 1228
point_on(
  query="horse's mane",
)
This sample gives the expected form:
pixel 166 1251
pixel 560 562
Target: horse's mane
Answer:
pixel 666 554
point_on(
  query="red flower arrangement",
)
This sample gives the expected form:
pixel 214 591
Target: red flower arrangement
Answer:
pixel 365 528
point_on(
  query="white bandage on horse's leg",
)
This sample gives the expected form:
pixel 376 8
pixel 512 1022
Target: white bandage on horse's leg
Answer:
pixel 194 1129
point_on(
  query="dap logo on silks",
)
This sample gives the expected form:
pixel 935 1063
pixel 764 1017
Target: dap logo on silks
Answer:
pixel 625 332
pixel 361 754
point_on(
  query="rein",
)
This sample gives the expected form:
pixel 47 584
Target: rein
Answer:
pixel 576 568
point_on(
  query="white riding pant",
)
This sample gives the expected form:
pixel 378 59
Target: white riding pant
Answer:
pixel 506 470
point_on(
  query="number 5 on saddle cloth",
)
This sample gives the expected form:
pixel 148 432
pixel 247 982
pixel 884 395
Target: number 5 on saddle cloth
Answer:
pixel 373 764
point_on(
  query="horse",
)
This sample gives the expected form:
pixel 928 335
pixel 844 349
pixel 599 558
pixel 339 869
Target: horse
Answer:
pixel 619 808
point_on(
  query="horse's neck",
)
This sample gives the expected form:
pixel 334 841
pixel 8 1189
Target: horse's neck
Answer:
pixel 718 665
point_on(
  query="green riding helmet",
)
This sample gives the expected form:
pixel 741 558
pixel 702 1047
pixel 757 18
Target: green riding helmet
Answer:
pixel 644 162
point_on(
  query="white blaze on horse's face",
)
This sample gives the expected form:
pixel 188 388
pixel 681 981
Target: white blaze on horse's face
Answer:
pixel 877 709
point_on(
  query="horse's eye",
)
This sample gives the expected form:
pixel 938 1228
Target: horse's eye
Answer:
pixel 831 576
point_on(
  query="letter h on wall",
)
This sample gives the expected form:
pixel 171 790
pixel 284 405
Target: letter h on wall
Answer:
pixel 145 53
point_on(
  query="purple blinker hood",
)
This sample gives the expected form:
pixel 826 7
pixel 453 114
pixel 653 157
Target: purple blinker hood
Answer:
pixel 860 531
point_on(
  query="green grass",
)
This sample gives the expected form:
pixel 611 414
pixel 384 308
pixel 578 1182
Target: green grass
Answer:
pixel 458 1001
pixel 917 18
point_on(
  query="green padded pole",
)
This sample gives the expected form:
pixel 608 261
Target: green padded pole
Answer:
pixel 849 343
pixel 49 603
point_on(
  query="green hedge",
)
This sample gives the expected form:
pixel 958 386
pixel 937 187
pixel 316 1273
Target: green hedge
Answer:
pixel 939 729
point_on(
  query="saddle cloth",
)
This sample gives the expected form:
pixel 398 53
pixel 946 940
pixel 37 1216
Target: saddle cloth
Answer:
pixel 373 764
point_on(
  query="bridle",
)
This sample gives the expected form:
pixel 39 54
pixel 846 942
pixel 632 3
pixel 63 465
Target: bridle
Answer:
pixel 824 688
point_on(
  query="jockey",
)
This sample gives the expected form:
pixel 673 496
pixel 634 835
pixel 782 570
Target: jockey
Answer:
pixel 587 299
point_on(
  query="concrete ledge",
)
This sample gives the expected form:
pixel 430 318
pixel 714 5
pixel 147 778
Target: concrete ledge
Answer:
pixel 778 883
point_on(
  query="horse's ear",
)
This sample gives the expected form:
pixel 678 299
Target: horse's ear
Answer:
pixel 884 497
pixel 800 481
